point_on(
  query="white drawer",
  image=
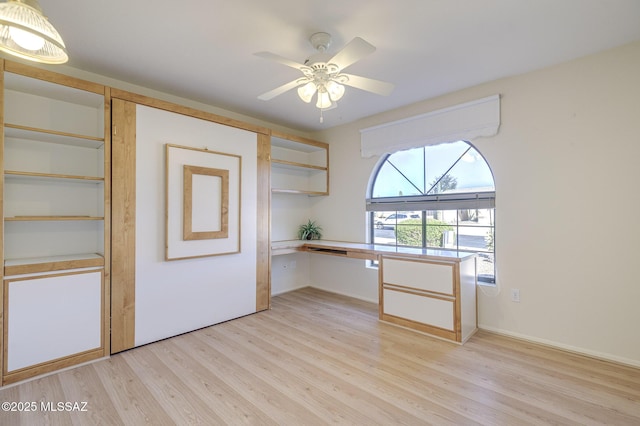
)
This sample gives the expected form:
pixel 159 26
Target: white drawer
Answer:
pixel 423 309
pixel 421 275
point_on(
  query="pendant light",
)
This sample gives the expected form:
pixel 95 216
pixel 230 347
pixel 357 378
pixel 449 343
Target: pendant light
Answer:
pixel 26 33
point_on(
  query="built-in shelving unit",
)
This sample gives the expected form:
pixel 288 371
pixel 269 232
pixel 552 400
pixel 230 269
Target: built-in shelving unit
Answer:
pixel 299 177
pixel 55 239
pixel 299 165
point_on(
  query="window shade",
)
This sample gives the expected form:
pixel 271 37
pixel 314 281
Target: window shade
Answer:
pixel 479 200
pixel 468 121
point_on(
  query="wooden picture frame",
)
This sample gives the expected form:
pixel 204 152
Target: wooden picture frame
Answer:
pixel 202 202
pixel 205 203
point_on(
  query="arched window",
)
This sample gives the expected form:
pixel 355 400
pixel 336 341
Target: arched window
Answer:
pixel 438 196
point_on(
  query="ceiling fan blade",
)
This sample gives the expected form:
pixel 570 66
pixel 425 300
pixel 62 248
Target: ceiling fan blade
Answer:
pixel 280 90
pixel 355 50
pixel 281 59
pixel 370 85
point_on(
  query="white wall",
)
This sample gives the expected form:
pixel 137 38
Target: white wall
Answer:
pixel 565 166
pixel 289 272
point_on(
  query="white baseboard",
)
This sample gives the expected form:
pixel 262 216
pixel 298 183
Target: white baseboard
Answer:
pixel 364 299
pixel 288 290
pixel 556 345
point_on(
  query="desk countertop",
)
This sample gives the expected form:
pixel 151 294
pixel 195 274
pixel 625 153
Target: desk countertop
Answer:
pixel 366 250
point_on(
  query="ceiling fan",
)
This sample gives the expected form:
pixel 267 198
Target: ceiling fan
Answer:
pixel 322 73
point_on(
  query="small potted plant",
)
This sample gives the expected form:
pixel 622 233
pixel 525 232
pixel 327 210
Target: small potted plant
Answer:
pixel 310 231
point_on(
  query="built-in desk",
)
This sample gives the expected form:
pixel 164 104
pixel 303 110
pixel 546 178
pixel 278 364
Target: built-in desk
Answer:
pixel 433 291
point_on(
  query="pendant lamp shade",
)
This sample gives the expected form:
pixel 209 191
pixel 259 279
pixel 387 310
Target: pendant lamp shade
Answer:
pixel 26 33
pixel 324 101
pixel 335 90
pixel 307 91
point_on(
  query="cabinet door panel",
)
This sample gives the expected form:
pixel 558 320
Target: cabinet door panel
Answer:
pixel 423 309
pixel 420 275
pixel 52 317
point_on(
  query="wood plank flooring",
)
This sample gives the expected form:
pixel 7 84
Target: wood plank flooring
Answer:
pixel 320 358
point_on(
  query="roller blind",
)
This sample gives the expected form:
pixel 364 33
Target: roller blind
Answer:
pixel 466 200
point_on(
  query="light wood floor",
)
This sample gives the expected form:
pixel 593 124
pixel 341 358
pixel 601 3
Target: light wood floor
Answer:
pixel 319 358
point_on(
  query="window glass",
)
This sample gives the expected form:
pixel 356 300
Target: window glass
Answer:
pixel 439 160
pixel 468 173
pixel 386 224
pixel 454 168
pixel 457 167
pixel 393 183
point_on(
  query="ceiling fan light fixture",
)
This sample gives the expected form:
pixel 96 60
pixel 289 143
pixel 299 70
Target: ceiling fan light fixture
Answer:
pixel 324 100
pixel 323 73
pixel 335 90
pixel 307 91
pixel 26 33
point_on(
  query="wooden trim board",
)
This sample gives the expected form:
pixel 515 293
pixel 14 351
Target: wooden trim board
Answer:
pixel 123 242
pixel 263 248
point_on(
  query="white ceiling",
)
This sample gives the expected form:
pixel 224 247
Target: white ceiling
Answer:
pixel 204 49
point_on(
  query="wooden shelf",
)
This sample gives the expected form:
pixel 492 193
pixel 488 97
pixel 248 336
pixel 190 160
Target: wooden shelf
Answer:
pixel 299 165
pixel 286 247
pixel 293 164
pixel 51 136
pixel 296 191
pixel 14 173
pixel 50 218
pixel 298 143
pixel 52 263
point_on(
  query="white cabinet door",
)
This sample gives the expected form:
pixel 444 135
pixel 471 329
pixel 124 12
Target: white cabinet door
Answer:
pixel 51 317
pixel 423 309
pixel 433 277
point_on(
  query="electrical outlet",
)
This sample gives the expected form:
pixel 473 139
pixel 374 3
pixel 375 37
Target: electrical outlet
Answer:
pixel 515 295
pixel 289 265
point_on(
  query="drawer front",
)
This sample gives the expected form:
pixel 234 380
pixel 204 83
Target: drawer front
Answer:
pixel 423 309
pixel 434 277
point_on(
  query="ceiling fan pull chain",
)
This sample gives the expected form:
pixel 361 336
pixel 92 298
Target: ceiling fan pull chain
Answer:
pixel 321 117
